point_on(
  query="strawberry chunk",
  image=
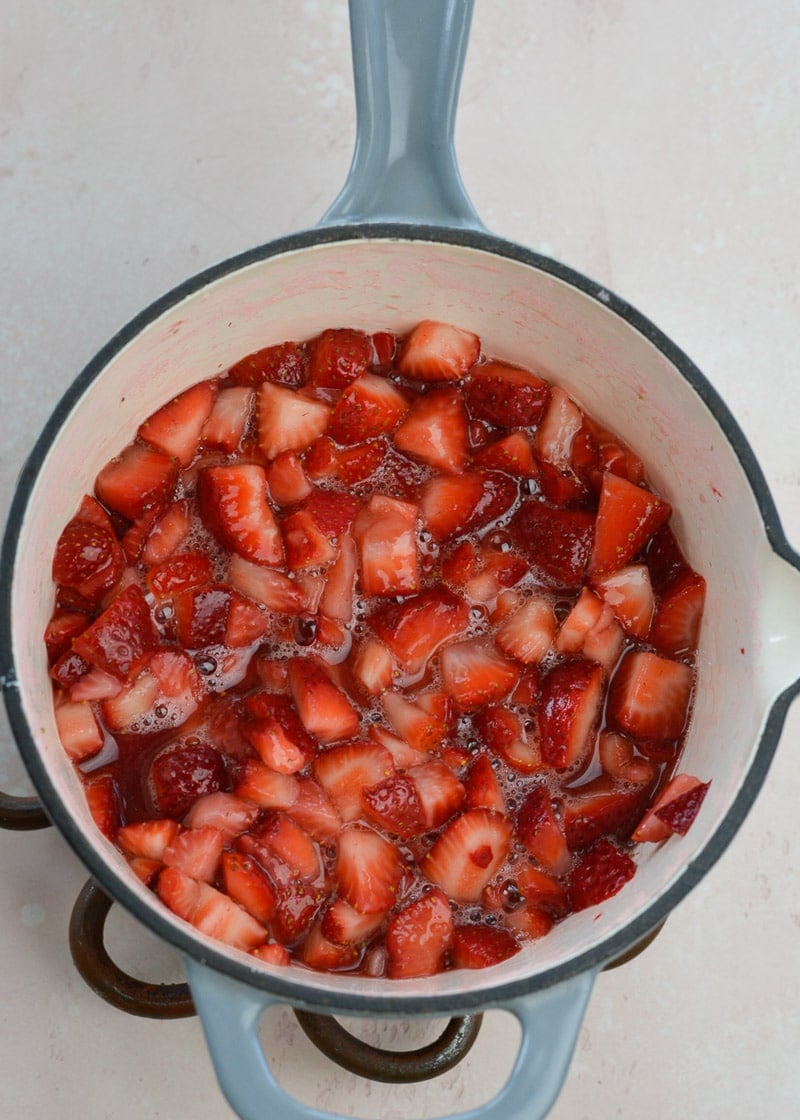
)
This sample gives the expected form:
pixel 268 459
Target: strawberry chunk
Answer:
pixel 119 640
pixel 324 710
pixel 181 774
pixel 233 505
pixel 679 812
pixel 591 630
pixel 319 952
pixel 650 695
pixel 137 479
pixel 528 633
pixel 360 462
pixel 506 396
pixel 604 806
pixel 179 572
pixel 344 772
pixel 287 480
pixel 287 420
pixel 419 937
pixel 558 429
pixel 245 882
pixel 629 593
pixel 338 357
pixel 600 873
pixel 88 558
pixel 226 812
pixel 468 854
pixel 209 910
pixel 175 429
pixel 435 431
pixel 481 946
pixel 285 364
pixel 343 925
pixel 103 801
pixel 78 729
pixel 265 585
pixel 196 852
pixel 394 805
pixel 280 835
pixel 627 517
pixel 676 626
pixel 415 629
pixel 438 352
pixel 512 454
pixel 201 615
pixel 674 809
pixel 148 839
pixel 228 418
pixel 267 788
pixel 481 787
pixel 370 406
pixel 421 729
pixel 557 541
pixel 387 546
pixel 475 673
pixel 616 756
pixel 372 666
pixel 368 869
pixel 60 630
pixel 439 792
pixel 569 709
pixel 504 734
pixel 453 505
pixel 542 833
pixel 166 534
pixel 315 811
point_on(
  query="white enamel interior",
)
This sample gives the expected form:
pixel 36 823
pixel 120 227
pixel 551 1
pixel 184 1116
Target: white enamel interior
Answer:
pixel 523 315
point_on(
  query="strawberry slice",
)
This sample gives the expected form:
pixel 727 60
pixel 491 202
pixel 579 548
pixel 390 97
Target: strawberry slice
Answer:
pixel 175 429
pixel 504 734
pixel 469 853
pixel 233 505
pixel 506 396
pixel 453 505
pixel 343 925
pixel 481 946
pixel 542 833
pixel 272 953
pixel 279 835
pixel 267 788
pixel 372 666
pixel 137 479
pixel 307 546
pixel 324 710
pixel 569 709
pixel 148 839
pixel 557 431
pixel 226 812
pixel 181 774
pixel 481 787
pixel 228 418
pixel 627 517
pixel 370 406
pixel 209 910
pixel 600 873
pixel 120 639
pixel 419 937
pixel 344 772
pixel 95 685
pixel 674 809
pixel 247 622
pixel 265 585
pixel 387 547
pixel 315 811
pixel 166 534
pixel 475 673
pixel 439 791
pixel 676 626
pixel 368 869
pixel 285 364
pixel 604 806
pixel 512 454
pixel 394 806
pixel 403 754
pixel 319 952
pixel 196 852
pixel 287 480
pixel 650 695
pixel 88 558
pixel 60 630
pixel 245 882
pixel 338 357
pixel 528 633
pixel 421 729
pixel 287 420
pixel 78 729
pixel 337 597
pixel 556 541
pixel 591 630
pixel 438 352
pixel 414 629
pixel 629 593
pixel 435 431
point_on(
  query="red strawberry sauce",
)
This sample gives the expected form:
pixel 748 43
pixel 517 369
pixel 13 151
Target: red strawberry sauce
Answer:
pixel 370 643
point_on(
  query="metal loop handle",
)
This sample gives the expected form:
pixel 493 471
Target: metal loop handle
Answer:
pixel 21 814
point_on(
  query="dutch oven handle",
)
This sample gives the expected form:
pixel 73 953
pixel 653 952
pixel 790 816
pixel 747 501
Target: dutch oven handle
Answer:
pixel 21 814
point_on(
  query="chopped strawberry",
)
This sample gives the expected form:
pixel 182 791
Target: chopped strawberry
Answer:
pixel 233 505
pixel 339 357
pixel 287 420
pixel 343 925
pixel 314 810
pixel 561 486
pixel 370 406
pixel 468 853
pixel 196 852
pixel 286 364
pixel 499 569
pixel 226 812
pixel 103 802
pixel 512 454
pixel 228 418
pixel 600 873
pixel 247 622
pixel 435 431
pixel 614 455
pixel 481 946
pixel 368 869
pixel 321 460
pixel 319 952
pixel 88 558
pixel 137 479
pixel 542 833
pixel 145 869
pixel 384 343
pixel 245 882
pixel 664 558
pixel 265 585
pixel 201 615
pixel 569 710
pixel 616 756
pixel 649 696
pixel 273 953
pixel 627 517
pixel 78 729
pixel 414 629
pixel 275 746
pixel 481 787
pixel 287 480
pixel 180 774
pixel 529 887
pixel 629 593
pixel 148 839
pixel 96 685
pixel 119 639
pixel 267 788
pixel 403 754
pixel 360 462
pixel 333 511
pixel 438 352
pixel 676 626
pixel 387 546
pixel 531 922
pixel 452 505
pixel 344 772
pixel 175 429
pixel 504 734
pixel 210 911
pixel 557 431
pixel 506 396
pixel 604 806
pixel 61 629
pixel 307 546
pixel 394 806
pixel 337 598
pixel 372 666
pixel 179 572
pixel 591 630
pixel 324 710
pixel 439 792
pixel 421 729
pixel 556 541
pixel 419 937
pixel 674 809
pixel 528 633
pixel 168 532
pixel 475 673
pixel 283 837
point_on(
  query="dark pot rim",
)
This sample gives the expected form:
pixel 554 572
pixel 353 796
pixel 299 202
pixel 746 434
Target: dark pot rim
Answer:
pixel 291 986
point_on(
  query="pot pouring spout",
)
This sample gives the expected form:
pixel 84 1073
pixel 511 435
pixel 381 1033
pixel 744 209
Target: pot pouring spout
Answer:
pixel 781 624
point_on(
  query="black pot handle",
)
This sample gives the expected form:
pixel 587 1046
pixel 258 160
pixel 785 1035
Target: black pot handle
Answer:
pixel 21 814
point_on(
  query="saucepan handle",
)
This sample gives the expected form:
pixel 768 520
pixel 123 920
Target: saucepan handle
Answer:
pixel 408 56
pixel 231 1011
